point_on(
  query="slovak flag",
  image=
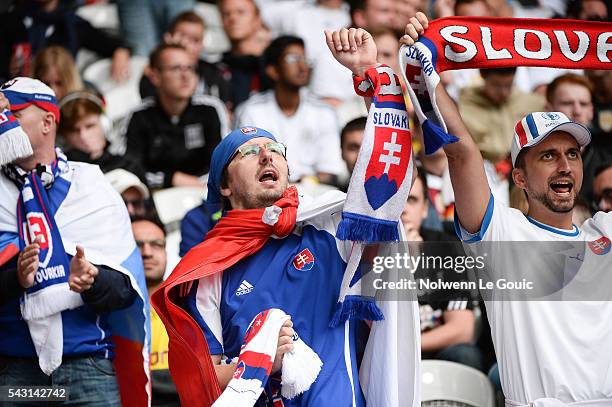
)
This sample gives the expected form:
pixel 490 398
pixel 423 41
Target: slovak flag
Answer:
pixel 304 260
pixel 388 164
pixel 600 246
pixel 382 177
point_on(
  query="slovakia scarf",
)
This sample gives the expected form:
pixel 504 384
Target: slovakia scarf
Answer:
pixel 14 143
pixel 42 304
pixel 78 202
pixel 240 234
pixel 379 187
pixel 236 236
pixel 476 42
pixel 301 366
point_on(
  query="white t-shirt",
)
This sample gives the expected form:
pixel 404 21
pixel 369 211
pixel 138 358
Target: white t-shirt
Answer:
pixel 549 351
pixel 308 21
pixel 312 134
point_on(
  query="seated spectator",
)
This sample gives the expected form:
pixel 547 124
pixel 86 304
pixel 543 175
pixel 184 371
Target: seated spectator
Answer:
pixel 55 67
pixel 602 188
pixel 151 240
pixel 133 191
pixel 351 138
pixel 53 22
pixel 172 136
pixel 491 111
pixel 307 127
pixel 573 95
pixel 329 80
pixel 248 38
pixel 188 30
pixel 447 318
pixel 84 130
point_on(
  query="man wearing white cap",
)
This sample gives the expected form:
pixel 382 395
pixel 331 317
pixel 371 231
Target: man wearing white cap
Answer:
pixel 550 353
pixel 67 260
pixel 134 192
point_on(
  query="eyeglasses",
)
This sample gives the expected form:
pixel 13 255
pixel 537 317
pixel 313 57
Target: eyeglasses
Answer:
pixel 252 150
pixel 176 69
pixel 294 59
pixel 155 243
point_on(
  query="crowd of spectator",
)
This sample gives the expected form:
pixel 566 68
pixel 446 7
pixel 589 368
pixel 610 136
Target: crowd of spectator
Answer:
pixel 278 74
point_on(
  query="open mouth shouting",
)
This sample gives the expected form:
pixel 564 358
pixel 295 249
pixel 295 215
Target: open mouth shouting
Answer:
pixel 268 176
pixel 562 188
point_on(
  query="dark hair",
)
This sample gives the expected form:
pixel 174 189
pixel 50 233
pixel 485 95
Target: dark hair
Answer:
pixel 273 53
pixel 567 78
pixel 77 105
pixel 355 5
pixel 153 218
pixel 155 57
pixel 186 17
pixel 357 124
pixel 601 169
pixel 498 71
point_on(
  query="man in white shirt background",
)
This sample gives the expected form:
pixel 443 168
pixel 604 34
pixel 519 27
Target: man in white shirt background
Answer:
pixel 307 126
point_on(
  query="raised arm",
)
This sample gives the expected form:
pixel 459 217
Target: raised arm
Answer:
pixel 355 49
pixel 465 163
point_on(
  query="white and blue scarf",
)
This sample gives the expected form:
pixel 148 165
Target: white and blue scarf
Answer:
pixel 14 143
pixel 42 304
pixel 78 207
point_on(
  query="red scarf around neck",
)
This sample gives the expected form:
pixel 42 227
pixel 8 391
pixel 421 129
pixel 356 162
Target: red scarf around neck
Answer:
pixel 237 235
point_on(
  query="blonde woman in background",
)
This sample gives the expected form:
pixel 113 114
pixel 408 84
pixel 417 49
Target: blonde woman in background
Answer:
pixel 55 66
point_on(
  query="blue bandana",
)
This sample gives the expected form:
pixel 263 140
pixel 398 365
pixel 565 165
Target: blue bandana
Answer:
pixel 221 157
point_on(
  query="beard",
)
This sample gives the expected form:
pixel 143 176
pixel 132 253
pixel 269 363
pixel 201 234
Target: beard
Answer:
pixel 267 198
pixel 563 206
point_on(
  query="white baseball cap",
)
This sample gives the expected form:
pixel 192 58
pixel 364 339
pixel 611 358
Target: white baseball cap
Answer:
pixel 122 179
pixel 535 127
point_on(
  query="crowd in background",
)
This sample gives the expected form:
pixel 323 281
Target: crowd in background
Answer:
pixel 277 73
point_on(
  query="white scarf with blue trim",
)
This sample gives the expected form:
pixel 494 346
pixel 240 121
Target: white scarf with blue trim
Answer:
pixel 86 211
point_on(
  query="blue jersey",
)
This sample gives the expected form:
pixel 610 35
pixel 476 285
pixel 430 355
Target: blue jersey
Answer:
pixel 85 332
pixel 300 274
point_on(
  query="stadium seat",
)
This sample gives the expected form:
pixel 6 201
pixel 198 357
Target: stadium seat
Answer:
pixel 173 203
pixel 449 384
pixel 120 98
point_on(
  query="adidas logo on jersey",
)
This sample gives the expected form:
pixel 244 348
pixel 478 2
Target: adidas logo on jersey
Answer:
pixel 245 288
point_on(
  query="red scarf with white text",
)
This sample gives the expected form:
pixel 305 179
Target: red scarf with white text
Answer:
pixel 480 42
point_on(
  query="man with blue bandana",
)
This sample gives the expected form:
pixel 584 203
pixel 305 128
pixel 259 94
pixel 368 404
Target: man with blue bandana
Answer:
pixel 272 250
pixel 249 170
